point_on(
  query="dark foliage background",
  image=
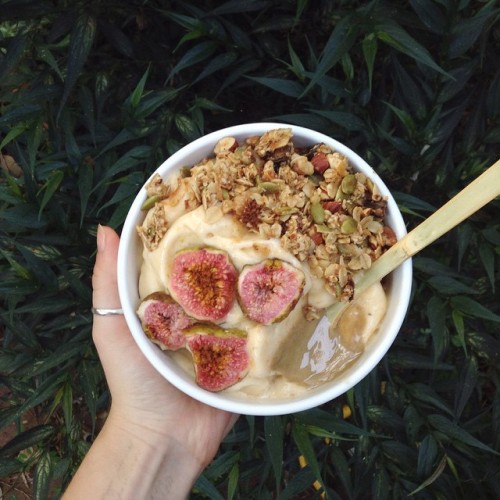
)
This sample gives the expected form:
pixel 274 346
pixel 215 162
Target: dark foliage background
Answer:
pixel 95 94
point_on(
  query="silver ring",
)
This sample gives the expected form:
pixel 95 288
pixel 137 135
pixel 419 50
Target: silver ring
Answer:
pixel 101 311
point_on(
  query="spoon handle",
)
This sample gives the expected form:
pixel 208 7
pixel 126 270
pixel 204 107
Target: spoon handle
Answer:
pixel 468 201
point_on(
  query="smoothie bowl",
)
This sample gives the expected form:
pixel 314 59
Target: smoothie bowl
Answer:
pixel 234 249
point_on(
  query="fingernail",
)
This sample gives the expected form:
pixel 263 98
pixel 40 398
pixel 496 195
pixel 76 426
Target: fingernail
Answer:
pixel 101 238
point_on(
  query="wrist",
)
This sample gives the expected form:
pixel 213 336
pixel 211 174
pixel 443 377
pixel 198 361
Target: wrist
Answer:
pixel 129 461
pixel 162 465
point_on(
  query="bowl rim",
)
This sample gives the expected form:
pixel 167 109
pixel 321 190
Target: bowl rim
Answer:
pixel 224 400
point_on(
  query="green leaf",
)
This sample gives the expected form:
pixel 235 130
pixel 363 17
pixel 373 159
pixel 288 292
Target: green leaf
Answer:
pixel 50 187
pixel 434 268
pixel 132 158
pixel 436 312
pixel 456 433
pixel 466 385
pixel 369 46
pixel 15 51
pixel 63 353
pixel 399 453
pixel 483 345
pixel 274 429
pixel 13 115
pixel 340 41
pixel 435 475
pixel 67 406
pixel 450 286
pixel 222 465
pixel 473 308
pixel 32 437
pixel 428 395
pixel 492 235
pixel 349 121
pixel 44 391
pixel 85 181
pixel 9 466
pixel 289 88
pixel 300 482
pixel 467 31
pixel 431 15
pixel 404 117
pixel 385 418
pixel 81 40
pixel 458 323
pixel 117 38
pixel 206 488
pixel 187 127
pixel 410 204
pixel 46 55
pixel 381 484
pixel 487 257
pixel 216 64
pixel 427 455
pixel 303 441
pixel 341 465
pixel 238 6
pixel 136 95
pixel 295 63
pixel 194 55
pixel 325 420
pixel 394 35
pixel 233 480
pixel 42 476
pixel 18 268
pixel 90 376
pixel 13 133
pixel 128 188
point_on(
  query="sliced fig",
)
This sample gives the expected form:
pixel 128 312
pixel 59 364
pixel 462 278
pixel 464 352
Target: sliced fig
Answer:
pixel 203 282
pixel 163 320
pixel 220 356
pixel 269 290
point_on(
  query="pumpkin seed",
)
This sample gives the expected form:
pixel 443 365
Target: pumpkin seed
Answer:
pixel 323 228
pixel 150 202
pixel 348 184
pixel 318 213
pixel 270 187
pixel 348 226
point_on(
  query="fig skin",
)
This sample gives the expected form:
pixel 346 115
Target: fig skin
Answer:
pixel 163 321
pixel 269 290
pixel 203 282
pixel 220 356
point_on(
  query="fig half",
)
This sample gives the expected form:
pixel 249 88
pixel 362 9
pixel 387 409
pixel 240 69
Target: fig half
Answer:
pixel 203 282
pixel 220 356
pixel 163 320
pixel 269 290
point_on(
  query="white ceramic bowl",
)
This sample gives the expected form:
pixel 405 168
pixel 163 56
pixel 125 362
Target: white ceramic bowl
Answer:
pixel 129 261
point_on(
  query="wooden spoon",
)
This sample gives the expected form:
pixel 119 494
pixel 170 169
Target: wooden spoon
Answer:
pixel 473 197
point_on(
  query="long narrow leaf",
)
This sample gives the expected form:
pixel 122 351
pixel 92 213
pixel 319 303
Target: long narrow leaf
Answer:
pixel 303 441
pixel 31 437
pixel 457 433
pixel 274 430
pixel 394 35
pixel 82 38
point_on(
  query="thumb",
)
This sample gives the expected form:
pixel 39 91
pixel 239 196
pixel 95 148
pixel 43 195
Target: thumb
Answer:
pixel 108 331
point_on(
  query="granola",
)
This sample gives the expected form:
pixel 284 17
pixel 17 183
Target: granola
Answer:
pixel 321 210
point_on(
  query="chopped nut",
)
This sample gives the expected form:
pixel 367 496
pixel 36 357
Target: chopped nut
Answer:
pixel 302 165
pixel 320 162
pixel 226 145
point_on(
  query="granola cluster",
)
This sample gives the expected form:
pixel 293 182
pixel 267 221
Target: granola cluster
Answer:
pixel 323 212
